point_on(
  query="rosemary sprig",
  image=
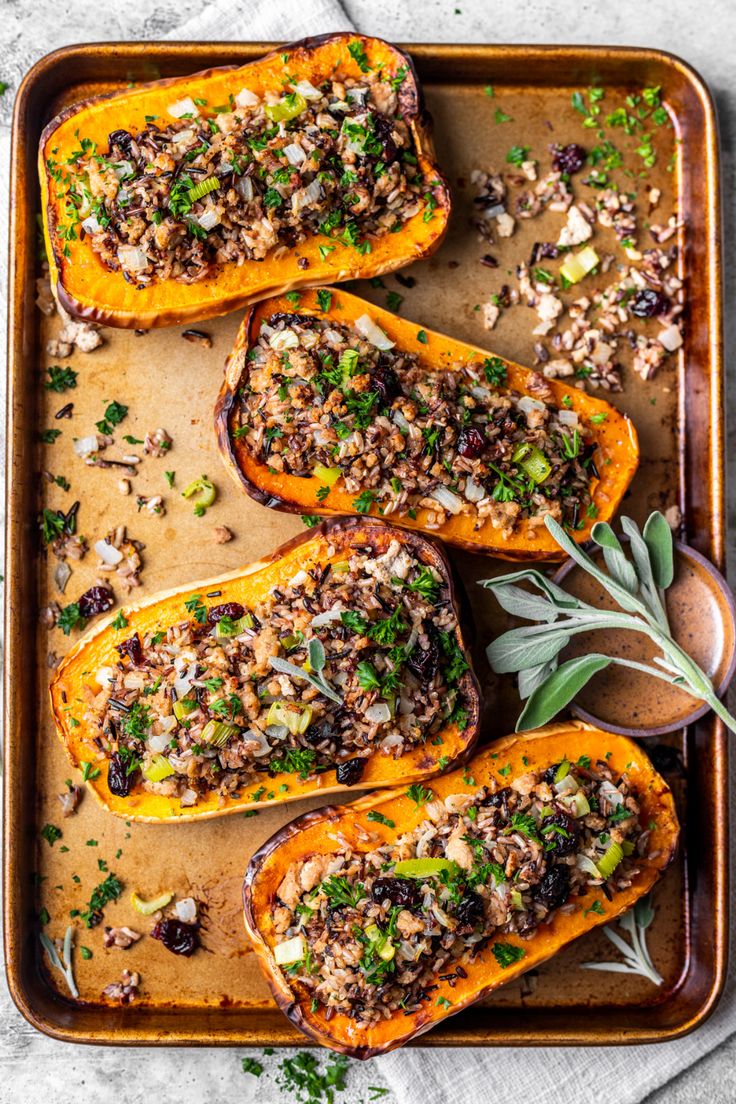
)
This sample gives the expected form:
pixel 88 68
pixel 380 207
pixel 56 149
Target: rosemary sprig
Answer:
pixel 636 953
pixel 638 586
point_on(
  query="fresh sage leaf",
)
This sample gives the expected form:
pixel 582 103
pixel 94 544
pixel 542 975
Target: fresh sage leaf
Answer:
pixel 555 593
pixel 287 668
pixel 659 541
pixel 533 677
pixel 614 556
pixel 316 653
pixel 626 600
pixel 518 649
pixel 521 603
pixel 559 689
pixel 640 554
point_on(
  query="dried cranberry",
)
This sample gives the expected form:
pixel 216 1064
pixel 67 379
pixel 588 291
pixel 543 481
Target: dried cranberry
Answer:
pixel 132 648
pixel 554 888
pixel 569 159
pixel 318 733
pixel 350 772
pixel 550 774
pixel 469 913
pixel 499 799
pixel 176 936
pixel 424 662
pixel 399 891
pixel 560 834
pixel 383 130
pixel 290 318
pixel 471 443
pixel 386 383
pixel 541 250
pixel 122 139
pixel 649 303
pixel 118 779
pixel 233 610
pixel 96 600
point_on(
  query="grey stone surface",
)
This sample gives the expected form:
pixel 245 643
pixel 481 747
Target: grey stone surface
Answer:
pixel 33 1067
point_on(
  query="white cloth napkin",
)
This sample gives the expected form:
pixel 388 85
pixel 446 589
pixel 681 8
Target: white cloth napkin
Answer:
pixel 415 1075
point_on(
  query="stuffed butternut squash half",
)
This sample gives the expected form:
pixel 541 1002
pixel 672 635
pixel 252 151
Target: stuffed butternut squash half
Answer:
pixel 338 661
pixel 333 405
pixel 377 920
pixel 184 199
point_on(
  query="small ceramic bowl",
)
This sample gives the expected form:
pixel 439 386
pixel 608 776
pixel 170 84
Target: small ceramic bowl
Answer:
pixel 702 615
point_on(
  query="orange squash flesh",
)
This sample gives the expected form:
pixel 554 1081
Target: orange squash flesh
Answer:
pixel 617 456
pixel 87 289
pixel 248 586
pixel 319 832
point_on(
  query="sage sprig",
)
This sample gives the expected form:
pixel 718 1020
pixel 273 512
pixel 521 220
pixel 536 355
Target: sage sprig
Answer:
pixel 636 957
pixel 638 585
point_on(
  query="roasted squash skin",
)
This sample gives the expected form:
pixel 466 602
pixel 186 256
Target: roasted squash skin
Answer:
pixel 86 289
pixel 317 832
pixel 614 433
pixel 97 649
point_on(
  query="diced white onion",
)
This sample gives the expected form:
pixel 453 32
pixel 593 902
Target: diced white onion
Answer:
pixel 368 329
pixel 474 492
pixel 186 910
pixel 587 865
pixel 391 741
pixel 186 106
pixel 83 446
pixel 482 394
pixel 245 188
pixel 612 795
pixel 332 337
pixel 526 404
pixel 290 951
pixel 158 742
pixel 357 95
pixel 405 706
pixel 183 136
pixel 91 225
pixel 104 676
pixel 168 723
pixel 133 680
pixel 260 744
pixel 246 98
pixel 189 797
pixel 378 713
pixel 294 154
pixel 277 732
pixel 602 353
pixel 305 197
pixel 568 417
pixel 340 106
pixel 495 211
pixel 566 785
pixel 62 575
pixel 401 421
pixel 132 258
pixel 671 338
pixel 108 553
pixel 283 339
pixel 326 618
pixel 307 90
pixel 447 499
pixel 183 681
pixel 123 169
pixel 209 219
pixel 299 579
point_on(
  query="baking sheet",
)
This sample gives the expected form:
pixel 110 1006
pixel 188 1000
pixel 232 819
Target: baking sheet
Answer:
pixel 219 995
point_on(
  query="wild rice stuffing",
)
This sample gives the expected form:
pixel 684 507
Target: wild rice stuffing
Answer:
pixel 368 933
pixel 243 180
pixel 321 399
pixel 354 655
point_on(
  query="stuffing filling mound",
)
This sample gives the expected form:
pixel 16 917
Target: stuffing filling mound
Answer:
pixel 323 399
pixel 247 179
pixel 355 656
pixel 371 932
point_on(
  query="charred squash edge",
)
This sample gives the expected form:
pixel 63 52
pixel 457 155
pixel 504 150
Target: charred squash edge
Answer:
pixel 96 649
pixel 86 289
pixel 616 435
pixel 309 834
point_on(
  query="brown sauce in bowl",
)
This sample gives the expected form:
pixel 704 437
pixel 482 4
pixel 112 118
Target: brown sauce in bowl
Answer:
pixel 701 621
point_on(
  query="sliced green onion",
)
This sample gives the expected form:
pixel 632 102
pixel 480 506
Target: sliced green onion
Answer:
pixel 628 847
pixel 575 268
pixel 286 109
pixel 158 768
pixel 234 628
pixel 576 804
pixel 326 475
pixel 199 191
pixel 533 461
pixel 423 868
pixel 341 566
pixel 516 900
pixel 290 951
pixel 184 707
pixel 217 733
pixel 563 770
pixel 291 641
pixel 610 860
pixel 296 718
pixel 147 908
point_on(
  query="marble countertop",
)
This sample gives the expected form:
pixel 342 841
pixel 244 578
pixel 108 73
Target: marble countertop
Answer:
pixel 33 1067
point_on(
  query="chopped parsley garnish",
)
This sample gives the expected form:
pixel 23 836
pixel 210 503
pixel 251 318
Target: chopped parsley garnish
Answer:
pixel 51 834
pixel 341 893
pixel 114 414
pixel 506 954
pixel 197 608
pixel 70 617
pixel 419 794
pixel 380 818
pixel 60 379
pixel 294 761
